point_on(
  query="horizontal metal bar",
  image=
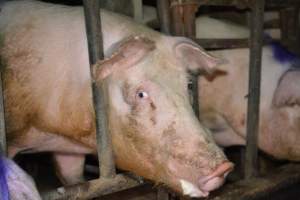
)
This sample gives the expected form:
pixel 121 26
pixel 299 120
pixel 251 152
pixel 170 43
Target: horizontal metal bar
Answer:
pixel 247 3
pixel 222 43
pixel 258 188
pixel 93 188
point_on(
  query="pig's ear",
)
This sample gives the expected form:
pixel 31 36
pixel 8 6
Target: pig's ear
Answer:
pixel 287 92
pixel 124 54
pixel 195 58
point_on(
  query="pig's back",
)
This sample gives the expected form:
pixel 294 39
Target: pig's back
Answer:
pixel 47 77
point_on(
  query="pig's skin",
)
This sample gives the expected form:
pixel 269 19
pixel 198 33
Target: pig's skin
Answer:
pixel 223 104
pixel 48 97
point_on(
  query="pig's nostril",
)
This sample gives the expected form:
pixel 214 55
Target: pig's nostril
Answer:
pixel 223 170
pixel 216 179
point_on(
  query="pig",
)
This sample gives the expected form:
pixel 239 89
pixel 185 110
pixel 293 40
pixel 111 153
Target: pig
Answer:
pixel 15 183
pixel 223 101
pixel 48 99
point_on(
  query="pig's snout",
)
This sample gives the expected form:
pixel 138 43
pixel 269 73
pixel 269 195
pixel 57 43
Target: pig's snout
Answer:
pixel 208 183
pixel 217 178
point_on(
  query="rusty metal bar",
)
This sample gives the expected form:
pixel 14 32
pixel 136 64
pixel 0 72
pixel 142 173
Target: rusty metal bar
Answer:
pixel 259 188
pixel 223 43
pixel 3 147
pixel 183 17
pixel 213 44
pixel 93 188
pixel 162 194
pixel 254 88
pixel 163 12
pixel 177 15
pixel 95 45
pixel 247 3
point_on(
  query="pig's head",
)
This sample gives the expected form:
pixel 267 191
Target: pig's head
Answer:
pixel 155 133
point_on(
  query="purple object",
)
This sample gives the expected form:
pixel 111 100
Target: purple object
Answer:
pixel 283 55
pixel 4 192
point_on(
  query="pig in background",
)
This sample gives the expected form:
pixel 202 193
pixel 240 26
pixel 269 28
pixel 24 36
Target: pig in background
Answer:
pixel 224 99
pixel 224 94
pixel 48 103
pixel 15 184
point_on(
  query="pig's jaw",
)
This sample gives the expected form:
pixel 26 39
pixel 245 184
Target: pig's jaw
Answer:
pixel 191 190
pixel 204 185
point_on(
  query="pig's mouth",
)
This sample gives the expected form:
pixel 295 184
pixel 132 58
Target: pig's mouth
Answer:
pixel 208 183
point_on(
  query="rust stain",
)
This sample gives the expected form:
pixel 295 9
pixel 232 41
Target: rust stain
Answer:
pixel 215 74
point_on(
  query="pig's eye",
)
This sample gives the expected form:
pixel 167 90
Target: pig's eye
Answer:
pixel 142 95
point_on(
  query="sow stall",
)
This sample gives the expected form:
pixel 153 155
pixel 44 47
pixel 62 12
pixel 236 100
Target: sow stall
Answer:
pixel 177 17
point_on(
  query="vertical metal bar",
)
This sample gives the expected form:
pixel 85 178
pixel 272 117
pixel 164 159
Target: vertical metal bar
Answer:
pixel 190 19
pixel 177 18
pixel 138 10
pixel 162 194
pixel 95 46
pixel 3 147
pixel 195 93
pixel 254 88
pixel 289 26
pixel 163 12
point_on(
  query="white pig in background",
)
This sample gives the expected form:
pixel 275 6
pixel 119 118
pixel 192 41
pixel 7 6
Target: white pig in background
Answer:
pixel 223 101
pixel 15 184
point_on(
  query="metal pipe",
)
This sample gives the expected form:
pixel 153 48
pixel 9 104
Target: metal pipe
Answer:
pixel 3 147
pixel 289 25
pixel 137 10
pixel 163 12
pixel 92 189
pixel 248 3
pixel 254 88
pixel 95 46
pixel 162 194
pixel 195 94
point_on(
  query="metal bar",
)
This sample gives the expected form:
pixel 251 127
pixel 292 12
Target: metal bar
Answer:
pixel 183 16
pixel 259 188
pixel 162 194
pixel 3 147
pixel 95 45
pixel 223 43
pixel 163 12
pixel 93 188
pixel 248 3
pixel 189 19
pixel 254 88
pixel 138 10
pixel 289 25
pixel 177 18
pixel 195 93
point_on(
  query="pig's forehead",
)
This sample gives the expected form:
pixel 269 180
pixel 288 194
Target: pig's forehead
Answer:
pixel 157 68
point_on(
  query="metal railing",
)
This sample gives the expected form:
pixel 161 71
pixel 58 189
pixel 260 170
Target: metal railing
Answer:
pixel 109 181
